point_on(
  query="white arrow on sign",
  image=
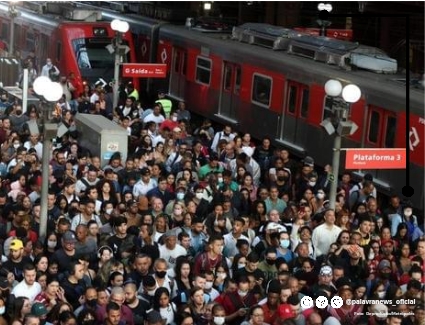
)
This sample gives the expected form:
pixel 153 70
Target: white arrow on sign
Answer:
pixel 416 140
pixel 101 81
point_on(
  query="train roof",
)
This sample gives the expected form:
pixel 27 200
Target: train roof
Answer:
pixel 374 86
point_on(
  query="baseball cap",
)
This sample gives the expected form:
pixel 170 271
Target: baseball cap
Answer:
pixel 386 241
pixel 38 309
pixel 154 317
pixel 16 244
pixel 69 237
pixel 326 270
pixel 308 161
pixel 285 311
pixel 384 264
pixel 170 233
pixel 275 227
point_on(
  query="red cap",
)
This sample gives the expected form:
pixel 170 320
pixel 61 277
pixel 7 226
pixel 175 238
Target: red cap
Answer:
pixel 386 241
pixel 285 311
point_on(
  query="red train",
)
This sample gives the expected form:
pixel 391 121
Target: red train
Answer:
pixel 53 31
pixel 280 92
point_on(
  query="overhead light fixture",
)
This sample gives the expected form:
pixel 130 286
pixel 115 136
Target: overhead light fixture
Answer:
pixel 207 5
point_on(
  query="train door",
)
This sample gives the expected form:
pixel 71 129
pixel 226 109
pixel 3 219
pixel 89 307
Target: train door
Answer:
pixel 231 84
pixel 381 131
pixel 295 113
pixel 178 73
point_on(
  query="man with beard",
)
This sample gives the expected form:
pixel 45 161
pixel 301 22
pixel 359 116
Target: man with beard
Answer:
pixel 28 287
pixel 137 306
pixel 197 235
pixel 141 269
pixel 67 254
pixel 17 260
pixel 171 250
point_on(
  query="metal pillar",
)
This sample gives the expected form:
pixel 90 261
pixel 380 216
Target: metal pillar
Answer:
pixel 335 168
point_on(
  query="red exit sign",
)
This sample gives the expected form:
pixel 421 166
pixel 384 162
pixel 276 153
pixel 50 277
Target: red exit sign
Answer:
pixel 144 70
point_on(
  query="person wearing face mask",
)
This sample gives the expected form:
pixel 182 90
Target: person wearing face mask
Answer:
pixel 218 316
pixel 413 230
pixel 90 301
pixel 284 250
pixel 237 303
pixel 268 265
pixel 170 122
pixel 50 70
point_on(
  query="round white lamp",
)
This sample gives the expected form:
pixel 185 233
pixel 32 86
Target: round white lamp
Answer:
pixel 333 88
pixel 351 93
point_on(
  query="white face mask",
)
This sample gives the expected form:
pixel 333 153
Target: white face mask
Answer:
pixel 242 293
pixel 199 195
pixel 2 310
pixel 320 196
pixel 208 285
pixel 219 320
pixel 241 266
pixel 16 145
pixel 51 244
pixel 312 184
pixel 371 255
pixel 180 196
pixel 174 118
pixel 221 275
pixel 151 292
pixel 408 212
pixel 381 295
pixel 220 179
pixel 177 212
pixel 109 211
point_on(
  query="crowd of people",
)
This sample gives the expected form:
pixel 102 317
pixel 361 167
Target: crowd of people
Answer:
pixel 196 226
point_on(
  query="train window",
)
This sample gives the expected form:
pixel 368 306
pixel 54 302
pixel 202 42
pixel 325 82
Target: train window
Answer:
pixel 227 77
pixel 374 123
pixel 177 62
pixel 184 63
pixel 58 51
pixel 91 53
pixel 4 31
pixel 304 102
pixel 203 70
pixel 237 80
pixel 292 100
pixel 390 132
pixel 262 89
pixel 30 38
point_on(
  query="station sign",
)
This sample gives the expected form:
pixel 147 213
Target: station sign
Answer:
pixel 375 158
pixel 144 70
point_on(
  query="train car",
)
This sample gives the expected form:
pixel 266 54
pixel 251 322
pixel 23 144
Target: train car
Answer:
pixel 281 95
pixel 74 46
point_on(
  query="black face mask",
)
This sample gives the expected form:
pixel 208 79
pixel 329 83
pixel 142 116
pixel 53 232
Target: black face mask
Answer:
pixel 385 275
pixel 91 303
pixel 270 262
pixel 161 274
pixel 281 178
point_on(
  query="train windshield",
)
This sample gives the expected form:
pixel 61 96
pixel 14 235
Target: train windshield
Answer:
pixel 93 56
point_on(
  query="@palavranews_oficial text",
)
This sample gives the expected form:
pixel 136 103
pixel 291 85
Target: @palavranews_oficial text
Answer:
pixel 379 301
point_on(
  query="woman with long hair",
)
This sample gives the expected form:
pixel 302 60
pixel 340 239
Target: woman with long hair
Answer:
pixel 60 308
pixel 183 271
pixel 343 219
pixel 50 243
pixel 158 154
pixel 106 190
pixel 260 211
pixel 248 183
pixel 52 294
pixel 197 305
pixel 402 235
pixel 162 303
pixel 21 306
